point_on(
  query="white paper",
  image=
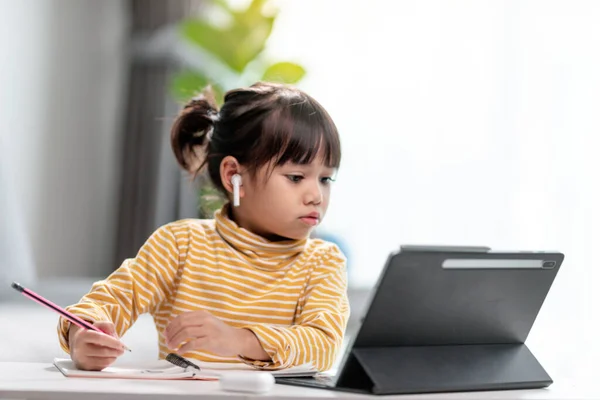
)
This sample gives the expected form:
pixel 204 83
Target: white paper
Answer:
pixel 162 369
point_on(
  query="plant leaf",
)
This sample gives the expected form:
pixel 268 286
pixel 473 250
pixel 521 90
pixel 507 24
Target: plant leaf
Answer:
pixel 187 84
pixel 238 44
pixel 213 40
pixel 250 40
pixel 284 72
pixel 210 199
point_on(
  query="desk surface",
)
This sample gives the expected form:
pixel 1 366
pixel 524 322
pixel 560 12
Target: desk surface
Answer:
pixel 44 381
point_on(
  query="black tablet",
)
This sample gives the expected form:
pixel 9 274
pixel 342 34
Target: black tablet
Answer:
pixel 448 319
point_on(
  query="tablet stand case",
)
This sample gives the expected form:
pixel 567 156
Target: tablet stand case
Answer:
pixel 429 369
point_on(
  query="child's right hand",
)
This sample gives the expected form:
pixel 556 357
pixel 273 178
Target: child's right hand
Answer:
pixel 93 351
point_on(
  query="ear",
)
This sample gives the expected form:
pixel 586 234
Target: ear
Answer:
pixel 229 167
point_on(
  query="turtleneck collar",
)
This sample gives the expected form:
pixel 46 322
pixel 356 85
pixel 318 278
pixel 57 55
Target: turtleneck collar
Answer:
pixel 257 250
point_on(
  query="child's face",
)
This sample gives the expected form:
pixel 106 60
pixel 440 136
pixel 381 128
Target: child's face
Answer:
pixel 289 202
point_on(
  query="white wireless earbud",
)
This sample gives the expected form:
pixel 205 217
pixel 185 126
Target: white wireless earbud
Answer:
pixel 236 181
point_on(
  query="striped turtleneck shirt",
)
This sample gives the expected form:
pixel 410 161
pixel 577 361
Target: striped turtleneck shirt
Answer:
pixel 291 294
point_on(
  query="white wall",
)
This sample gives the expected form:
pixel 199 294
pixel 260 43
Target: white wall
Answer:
pixel 463 122
pixel 62 82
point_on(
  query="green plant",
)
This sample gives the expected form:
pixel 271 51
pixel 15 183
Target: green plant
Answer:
pixel 235 53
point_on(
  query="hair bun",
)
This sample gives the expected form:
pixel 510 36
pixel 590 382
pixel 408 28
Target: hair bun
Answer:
pixel 193 127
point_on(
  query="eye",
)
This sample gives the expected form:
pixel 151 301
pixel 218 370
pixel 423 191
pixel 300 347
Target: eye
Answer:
pixel 294 178
pixel 326 180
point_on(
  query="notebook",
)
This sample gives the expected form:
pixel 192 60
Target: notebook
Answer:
pixel 164 370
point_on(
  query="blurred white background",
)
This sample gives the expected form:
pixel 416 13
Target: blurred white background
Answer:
pixel 462 122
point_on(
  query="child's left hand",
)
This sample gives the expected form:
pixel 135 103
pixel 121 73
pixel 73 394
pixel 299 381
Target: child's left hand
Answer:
pixel 200 330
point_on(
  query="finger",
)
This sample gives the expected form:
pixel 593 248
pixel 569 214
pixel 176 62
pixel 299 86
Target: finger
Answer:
pixel 92 350
pixel 196 344
pixel 106 327
pixel 192 332
pixel 101 339
pixel 176 324
pixel 185 319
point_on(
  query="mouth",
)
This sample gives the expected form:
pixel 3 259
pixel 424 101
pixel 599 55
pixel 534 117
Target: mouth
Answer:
pixel 311 219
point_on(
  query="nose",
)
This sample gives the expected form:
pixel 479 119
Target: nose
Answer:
pixel 313 194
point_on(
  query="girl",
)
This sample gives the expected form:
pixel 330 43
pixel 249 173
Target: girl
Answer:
pixel 248 285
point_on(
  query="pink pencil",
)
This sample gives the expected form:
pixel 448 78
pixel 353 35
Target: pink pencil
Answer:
pixel 47 303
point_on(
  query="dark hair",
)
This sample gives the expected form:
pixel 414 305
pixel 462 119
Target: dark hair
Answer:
pixel 264 123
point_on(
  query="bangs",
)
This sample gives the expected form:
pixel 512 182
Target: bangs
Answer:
pixel 300 131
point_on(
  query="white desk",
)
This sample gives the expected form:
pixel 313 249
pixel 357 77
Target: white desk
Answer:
pixel 43 381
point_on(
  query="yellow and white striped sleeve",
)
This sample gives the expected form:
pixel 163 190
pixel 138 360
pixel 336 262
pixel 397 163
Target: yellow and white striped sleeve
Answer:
pixel 136 287
pixel 318 333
